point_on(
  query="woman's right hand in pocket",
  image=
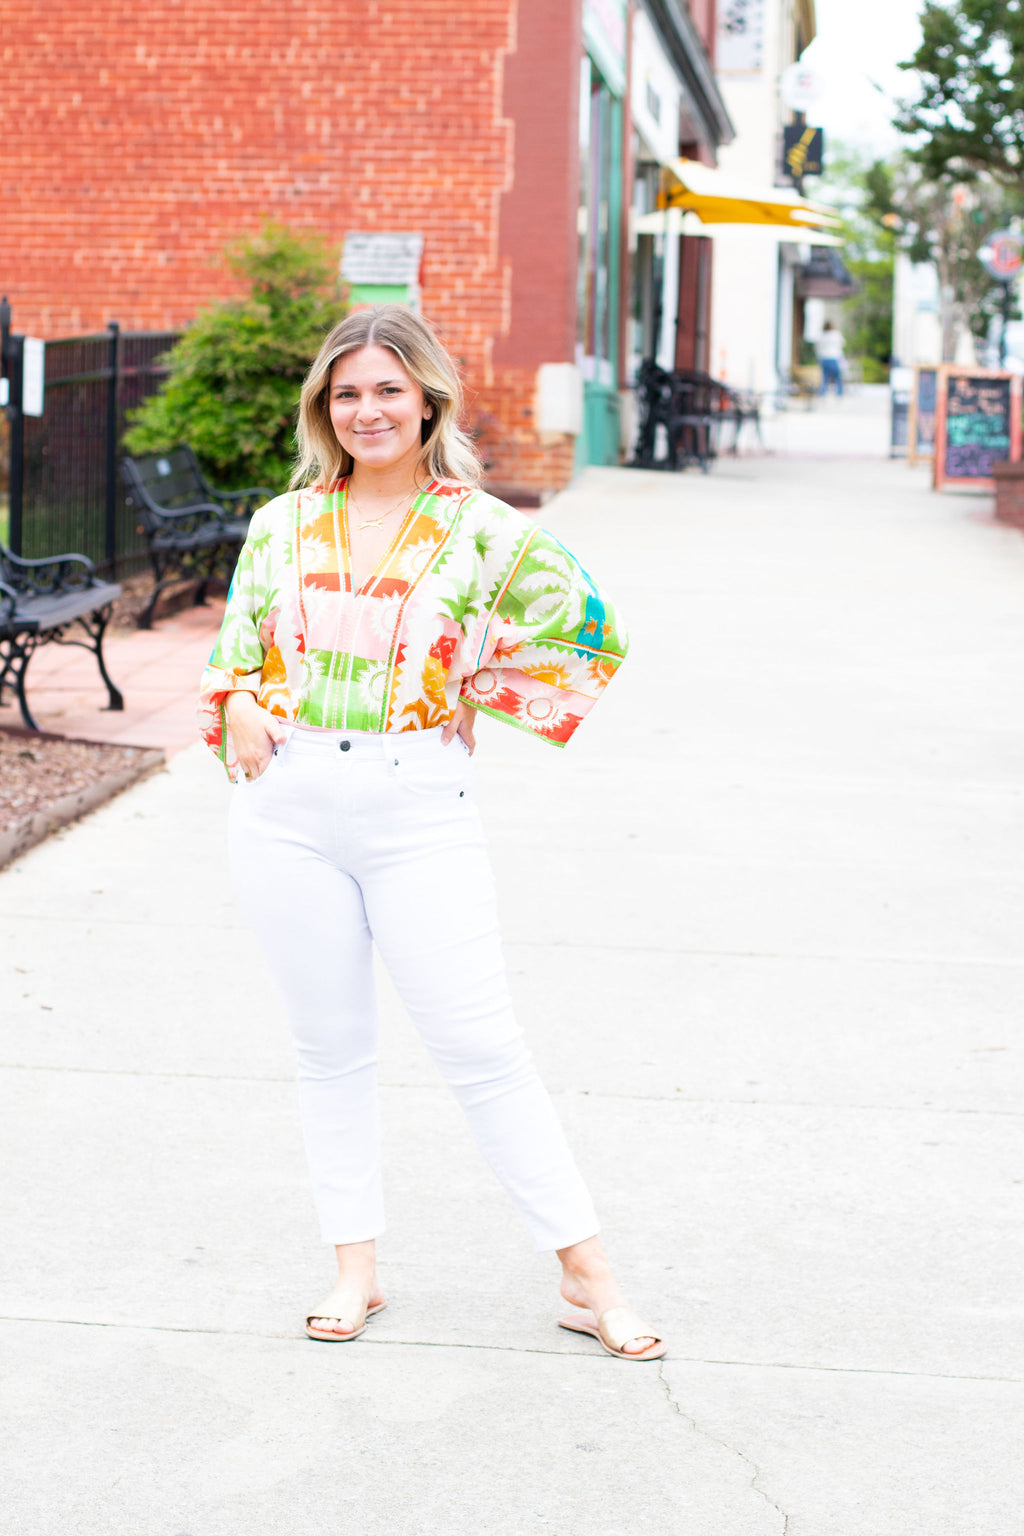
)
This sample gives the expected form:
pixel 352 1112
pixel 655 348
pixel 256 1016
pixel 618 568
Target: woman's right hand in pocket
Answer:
pixel 254 732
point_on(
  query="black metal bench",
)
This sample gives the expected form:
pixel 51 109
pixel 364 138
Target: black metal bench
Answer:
pixel 741 406
pixel 189 526
pixel 687 404
pixel 40 601
pixel 693 408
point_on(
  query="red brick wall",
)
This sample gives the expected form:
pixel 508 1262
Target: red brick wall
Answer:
pixel 134 142
pixel 521 466
pixel 537 231
pixel 537 242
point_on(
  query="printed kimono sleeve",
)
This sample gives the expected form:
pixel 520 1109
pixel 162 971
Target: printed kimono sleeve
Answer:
pixel 553 642
pixel 237 659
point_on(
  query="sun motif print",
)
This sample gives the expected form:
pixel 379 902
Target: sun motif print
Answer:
pixel 472 600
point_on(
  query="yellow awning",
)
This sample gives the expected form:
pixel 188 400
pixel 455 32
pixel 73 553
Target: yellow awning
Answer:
pixel 676 221
pixel 718 199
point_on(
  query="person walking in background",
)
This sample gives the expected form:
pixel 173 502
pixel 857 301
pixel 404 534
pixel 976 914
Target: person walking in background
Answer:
pixel 373 611
pixel 830 356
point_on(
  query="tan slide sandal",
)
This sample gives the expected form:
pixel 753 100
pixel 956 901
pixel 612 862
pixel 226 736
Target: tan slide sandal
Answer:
pixel 339 1338
pixel 615 1328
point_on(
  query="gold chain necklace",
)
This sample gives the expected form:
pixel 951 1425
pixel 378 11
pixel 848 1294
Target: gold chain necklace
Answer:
pixel 375 522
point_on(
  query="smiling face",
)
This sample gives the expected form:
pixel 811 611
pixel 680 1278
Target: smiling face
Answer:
pixel 377 410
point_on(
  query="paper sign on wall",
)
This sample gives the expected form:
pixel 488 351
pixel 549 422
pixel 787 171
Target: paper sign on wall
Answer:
pixel 382 268
pixel 389 259
pixel 33 376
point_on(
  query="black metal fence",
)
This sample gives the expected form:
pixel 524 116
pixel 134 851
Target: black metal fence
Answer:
pixel 71 498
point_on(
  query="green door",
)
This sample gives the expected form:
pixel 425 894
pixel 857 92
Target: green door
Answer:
pixel 598 269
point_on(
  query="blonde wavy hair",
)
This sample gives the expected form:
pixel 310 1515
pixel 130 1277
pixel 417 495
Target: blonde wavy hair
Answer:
pixel 446 452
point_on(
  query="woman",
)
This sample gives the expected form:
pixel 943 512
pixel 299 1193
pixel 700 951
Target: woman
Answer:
pixel 372 613
pixel 830 356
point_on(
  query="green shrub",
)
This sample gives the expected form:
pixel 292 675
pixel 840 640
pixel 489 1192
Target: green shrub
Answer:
pixel 874 372
pixel 235 375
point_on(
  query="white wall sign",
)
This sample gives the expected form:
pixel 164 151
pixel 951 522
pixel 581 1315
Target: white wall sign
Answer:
pixel 386 259
pixel 739 44
pixel 801 87
pixel 33 375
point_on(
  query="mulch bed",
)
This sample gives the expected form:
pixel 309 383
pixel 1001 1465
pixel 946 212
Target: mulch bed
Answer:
pixel 47 780
pixel 135 591
pixel 37 769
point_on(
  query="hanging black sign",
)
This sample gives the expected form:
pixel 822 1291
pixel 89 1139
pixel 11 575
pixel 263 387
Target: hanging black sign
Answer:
pixel 803 151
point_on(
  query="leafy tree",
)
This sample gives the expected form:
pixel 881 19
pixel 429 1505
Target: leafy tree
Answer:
pixel 897 207
pixel 944 222
pixel 963 170
pixel 236 373
pixel 859 191
pixel 969 116
pixel 947 223
pixel 867 317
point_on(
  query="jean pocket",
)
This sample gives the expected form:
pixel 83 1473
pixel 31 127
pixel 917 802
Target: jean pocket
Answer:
pixel 449 772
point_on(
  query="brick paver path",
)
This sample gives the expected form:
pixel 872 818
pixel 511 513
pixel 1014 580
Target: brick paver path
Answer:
pixel 157 670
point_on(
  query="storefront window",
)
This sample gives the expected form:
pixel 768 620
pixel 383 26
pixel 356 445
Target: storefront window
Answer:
pixel 598 151
pixel 643 330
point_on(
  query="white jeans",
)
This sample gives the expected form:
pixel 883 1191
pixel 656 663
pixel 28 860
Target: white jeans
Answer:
pixel 351 838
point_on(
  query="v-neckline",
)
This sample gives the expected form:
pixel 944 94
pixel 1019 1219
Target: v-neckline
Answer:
pixel 396 542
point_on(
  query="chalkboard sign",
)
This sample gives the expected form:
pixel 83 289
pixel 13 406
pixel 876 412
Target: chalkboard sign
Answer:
pixel 900 380
pixel 898 425
pixel 977 424
pixel 922 413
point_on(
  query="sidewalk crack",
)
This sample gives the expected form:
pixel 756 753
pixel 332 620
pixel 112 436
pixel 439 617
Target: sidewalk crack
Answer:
pixel 754 1481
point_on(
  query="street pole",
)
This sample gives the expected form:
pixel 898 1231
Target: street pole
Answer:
pixel 1007 301
pixel 110 543
pixel 12 354
pixel 800 121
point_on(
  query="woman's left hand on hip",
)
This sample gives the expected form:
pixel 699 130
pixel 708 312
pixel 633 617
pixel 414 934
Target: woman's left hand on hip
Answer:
pixel 461 724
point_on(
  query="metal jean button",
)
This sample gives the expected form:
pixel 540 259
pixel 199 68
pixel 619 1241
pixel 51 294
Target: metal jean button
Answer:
pixel 344 746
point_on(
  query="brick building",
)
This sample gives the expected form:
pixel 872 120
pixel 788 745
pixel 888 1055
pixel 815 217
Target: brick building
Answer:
pixel 134 145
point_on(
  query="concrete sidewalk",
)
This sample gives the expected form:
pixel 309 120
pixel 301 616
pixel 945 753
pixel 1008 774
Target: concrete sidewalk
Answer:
pixel 763 924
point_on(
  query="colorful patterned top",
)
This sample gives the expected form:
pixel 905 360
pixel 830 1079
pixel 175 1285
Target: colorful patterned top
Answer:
pixel 472 600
